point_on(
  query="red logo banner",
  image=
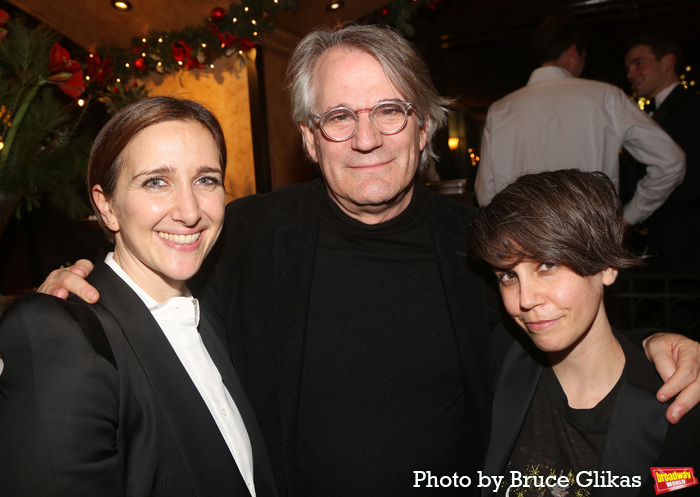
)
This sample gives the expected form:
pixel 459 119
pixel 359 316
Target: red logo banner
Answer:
pixel 670 479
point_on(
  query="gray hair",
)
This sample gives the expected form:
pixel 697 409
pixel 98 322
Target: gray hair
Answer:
pixel 402 64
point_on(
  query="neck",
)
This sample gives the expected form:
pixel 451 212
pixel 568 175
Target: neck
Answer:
pixel 154 284
pixel 591 367
pixel 375 214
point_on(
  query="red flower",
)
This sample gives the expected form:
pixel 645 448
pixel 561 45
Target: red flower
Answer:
pixel 98 69
pixel 65 72
pixel 183 53
pixel 246 43
pixel 4 19
pixel 227 40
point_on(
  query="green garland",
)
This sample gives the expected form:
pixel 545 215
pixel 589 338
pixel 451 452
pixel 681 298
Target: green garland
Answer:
pixel 225 33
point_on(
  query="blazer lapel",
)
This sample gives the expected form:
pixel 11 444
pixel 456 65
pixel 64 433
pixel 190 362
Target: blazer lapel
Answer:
pixel 638 425
pixel 466 300
pixel 264 480
pixel 514 391
pixel 673 100
pixel 294 256
pixel 201 446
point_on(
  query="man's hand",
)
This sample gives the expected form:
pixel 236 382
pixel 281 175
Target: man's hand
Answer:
pixel 63 281
pixel 677 360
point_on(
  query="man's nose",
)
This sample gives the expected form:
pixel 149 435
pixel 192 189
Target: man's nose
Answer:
pixel 367 136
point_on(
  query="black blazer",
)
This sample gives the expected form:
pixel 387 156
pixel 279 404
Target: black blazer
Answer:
pixel 674 229
pixel 258 284
pixel 639 436
pixel 95 402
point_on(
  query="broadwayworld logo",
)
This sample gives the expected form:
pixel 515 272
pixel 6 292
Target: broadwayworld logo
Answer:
pixel 669 479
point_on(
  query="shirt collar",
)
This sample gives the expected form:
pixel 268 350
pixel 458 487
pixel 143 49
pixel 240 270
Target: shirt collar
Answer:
pixel 176 308
pixel 548 72
pixel 661 96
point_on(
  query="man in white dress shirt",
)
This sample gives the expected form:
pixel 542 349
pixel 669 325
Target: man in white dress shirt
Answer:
pixel 560 121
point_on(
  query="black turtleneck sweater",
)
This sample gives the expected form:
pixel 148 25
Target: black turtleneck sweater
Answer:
pixel 378 330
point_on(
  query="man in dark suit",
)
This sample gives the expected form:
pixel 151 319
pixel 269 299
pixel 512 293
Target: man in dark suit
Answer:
pixel 654 63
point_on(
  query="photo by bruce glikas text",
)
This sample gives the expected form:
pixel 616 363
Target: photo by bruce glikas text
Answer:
pixel 583 479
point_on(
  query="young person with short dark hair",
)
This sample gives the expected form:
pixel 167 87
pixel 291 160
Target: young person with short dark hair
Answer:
pixel 581 409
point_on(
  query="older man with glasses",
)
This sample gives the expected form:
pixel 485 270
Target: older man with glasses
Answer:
pixel 357 326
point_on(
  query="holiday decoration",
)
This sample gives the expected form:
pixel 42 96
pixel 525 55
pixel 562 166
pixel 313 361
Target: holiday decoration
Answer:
pixel 217 14
pixel 230 32
pixel 43 156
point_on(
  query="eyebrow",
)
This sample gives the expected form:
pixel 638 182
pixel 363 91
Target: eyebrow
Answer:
pixel 348 106
pixel 169 169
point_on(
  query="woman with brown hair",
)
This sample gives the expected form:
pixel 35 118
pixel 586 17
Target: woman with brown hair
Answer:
pixel 134 395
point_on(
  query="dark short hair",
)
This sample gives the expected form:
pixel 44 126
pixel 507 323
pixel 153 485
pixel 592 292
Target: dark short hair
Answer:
pixel 554 37
pixel 106 155
pixel 661 44
pixel 568 217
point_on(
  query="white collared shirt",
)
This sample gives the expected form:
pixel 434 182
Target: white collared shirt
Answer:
pixel 558 121
pixel 178 317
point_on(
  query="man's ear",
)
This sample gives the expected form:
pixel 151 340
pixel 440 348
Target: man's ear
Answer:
pixel 668 62
pixel 424 131
pixel 609 276
pixel 104 205
pixel 309 141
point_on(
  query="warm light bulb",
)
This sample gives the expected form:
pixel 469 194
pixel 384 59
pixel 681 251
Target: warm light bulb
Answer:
pixel 335 5
pixel 81 102
pixel 122 5
pixel 453 143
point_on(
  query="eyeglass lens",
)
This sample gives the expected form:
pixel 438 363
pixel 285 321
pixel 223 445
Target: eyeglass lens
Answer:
pixel 341 123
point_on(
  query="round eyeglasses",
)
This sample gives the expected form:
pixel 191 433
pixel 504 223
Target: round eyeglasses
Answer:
pixel 341 123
